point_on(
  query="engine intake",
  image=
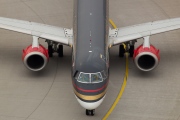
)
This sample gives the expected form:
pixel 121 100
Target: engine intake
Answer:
pixel 36 58
pixel 146 58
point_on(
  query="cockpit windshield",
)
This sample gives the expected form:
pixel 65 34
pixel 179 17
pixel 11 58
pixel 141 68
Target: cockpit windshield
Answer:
pixel 91 77
pixel 96 78
pixel 84 77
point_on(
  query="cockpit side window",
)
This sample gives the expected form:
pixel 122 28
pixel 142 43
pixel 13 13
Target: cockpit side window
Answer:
pixel 104 74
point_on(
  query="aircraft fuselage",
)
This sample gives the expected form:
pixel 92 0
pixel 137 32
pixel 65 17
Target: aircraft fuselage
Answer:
pixel 90 64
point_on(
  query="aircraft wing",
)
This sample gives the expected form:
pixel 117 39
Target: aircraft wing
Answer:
pixel 126 34
pixel 57 34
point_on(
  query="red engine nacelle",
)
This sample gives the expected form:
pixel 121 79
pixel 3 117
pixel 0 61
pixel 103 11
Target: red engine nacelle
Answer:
pixel 35 58
pixel 146 58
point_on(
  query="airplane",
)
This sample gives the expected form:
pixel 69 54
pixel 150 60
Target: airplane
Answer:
pixel 90 39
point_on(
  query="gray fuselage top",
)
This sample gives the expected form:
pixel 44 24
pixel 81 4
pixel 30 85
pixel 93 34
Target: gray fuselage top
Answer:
pixel 91 36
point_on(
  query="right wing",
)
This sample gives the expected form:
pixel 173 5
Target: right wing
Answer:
pixel 126 34
pixel 57 34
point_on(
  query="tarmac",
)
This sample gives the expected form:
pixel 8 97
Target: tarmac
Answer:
pixel 48 95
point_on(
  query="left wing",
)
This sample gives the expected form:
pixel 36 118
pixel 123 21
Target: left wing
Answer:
pixel 57 34
pixel 121 35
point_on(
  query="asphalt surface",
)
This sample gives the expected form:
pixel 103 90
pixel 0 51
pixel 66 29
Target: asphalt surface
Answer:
pixel 48 95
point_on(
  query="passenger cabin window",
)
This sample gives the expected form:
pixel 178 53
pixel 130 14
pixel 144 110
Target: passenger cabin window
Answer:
pixel 91 77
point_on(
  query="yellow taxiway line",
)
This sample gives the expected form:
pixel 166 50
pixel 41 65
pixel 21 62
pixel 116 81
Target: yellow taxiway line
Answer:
pixel 112 23
pixel 123 85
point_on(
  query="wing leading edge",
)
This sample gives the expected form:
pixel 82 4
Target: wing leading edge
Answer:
pixel 126 34
pixel 57 34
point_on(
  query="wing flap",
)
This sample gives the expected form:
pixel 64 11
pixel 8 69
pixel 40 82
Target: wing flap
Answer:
pixel 142 30
pixel 53 33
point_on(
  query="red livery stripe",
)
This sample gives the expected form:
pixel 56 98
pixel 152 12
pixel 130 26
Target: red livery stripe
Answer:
pixel 90 91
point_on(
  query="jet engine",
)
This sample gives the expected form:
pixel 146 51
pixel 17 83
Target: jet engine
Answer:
pixel 35 58
pixel 146 58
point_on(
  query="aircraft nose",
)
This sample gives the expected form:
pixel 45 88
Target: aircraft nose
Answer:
pixel 90 105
